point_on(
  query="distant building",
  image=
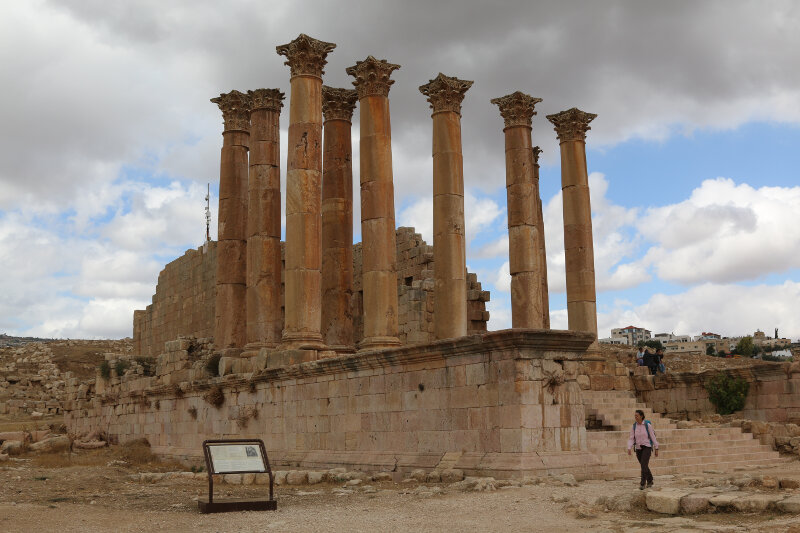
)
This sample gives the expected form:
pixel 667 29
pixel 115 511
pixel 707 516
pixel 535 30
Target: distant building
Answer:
pixel 664 338
pixel 706 335
pixel 632 334
pixel 614 340
pixel 760 339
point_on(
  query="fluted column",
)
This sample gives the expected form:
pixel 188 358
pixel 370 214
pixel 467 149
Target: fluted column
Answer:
pixel 571 127
pixel 445 95
pixel 379 260
pixel 337 218
pixel 230 306
pixel 264 321
pixel 303 262
pixel 542 254
pixel 525 231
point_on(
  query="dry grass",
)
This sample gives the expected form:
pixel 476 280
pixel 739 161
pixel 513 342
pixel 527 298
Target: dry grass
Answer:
pixel 24 423
pixel 215 396
pixel 137 454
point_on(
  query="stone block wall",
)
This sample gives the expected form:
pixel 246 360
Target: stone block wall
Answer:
pixel 184 301
pixel 506 403
pixel 774 394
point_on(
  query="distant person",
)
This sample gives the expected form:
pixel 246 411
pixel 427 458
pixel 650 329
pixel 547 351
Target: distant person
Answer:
pixel 650 361
pixel 640 357
pixel 660 358
pixel 643 441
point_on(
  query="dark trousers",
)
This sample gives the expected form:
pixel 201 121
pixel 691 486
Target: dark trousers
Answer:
pixel 643 456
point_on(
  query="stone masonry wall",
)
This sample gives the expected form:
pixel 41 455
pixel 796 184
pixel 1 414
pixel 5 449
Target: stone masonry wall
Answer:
pixel 184 301
pixel 503 404
pixel 774 394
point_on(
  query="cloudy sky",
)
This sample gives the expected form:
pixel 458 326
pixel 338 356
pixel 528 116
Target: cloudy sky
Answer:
pixel 108 141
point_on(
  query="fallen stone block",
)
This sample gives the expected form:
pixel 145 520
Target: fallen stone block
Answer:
pixel 248 479
pixel 232 479
pixel 382 476
pixel 724 501
pixel 790 504
pixel 451 475
pixel 297 477
pixel 665 501
pixel 756 502
pixel 53 444
pixel 315 477
pixel 789 483
pixel 695 503
pixel 12 447
pixel 91 445
pixel 3 457
pixel 14 435
pixel 280 477
pixel 418 475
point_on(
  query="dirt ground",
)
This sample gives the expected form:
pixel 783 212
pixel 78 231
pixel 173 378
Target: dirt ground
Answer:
pixel 93 492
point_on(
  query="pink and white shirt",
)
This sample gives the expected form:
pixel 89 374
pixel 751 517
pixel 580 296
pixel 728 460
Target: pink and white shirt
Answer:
pixel 640 436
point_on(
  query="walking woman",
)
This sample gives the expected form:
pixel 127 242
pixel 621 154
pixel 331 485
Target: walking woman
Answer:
pixel 643 440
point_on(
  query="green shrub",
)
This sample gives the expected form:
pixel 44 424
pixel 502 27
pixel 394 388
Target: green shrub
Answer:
pixel 727 393
pixel 212 364
pixel 105 370
pixel 121 367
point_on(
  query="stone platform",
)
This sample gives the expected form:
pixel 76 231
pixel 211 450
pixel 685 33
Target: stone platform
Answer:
pixel 504 404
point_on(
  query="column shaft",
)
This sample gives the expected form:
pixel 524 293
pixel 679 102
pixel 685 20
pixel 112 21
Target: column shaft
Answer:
pixel 230 306
pixel 264 320
pixel 571 127
pixel 449 247
pixel 337 219
pixel 303 258
pixel 379 259
pixel 542 248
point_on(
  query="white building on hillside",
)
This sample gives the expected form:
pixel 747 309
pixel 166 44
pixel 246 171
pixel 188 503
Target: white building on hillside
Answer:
pixel 633 334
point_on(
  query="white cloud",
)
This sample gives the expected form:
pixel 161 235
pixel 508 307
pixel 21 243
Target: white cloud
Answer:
pixel 724 232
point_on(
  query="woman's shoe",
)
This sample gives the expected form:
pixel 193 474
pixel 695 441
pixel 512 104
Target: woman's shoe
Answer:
pixel 649 484
pixel 641 487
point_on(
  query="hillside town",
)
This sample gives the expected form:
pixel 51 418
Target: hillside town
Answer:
pixel 706 342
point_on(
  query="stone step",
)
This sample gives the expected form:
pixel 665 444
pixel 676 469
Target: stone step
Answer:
pixel 659 469
pixel 699 453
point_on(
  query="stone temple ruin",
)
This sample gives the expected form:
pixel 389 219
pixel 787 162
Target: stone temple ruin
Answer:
pixel 373 356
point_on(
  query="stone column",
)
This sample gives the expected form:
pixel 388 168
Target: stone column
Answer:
pixel 306 57
pixel 571 127
pixel 525 230
pixel 230 308
pixel 264 321
pixel 542 248
pixel 337 218
pixel 379 261
pixel 445 95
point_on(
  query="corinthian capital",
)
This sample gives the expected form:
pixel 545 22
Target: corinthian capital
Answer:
pixel 306 55
pixel 235 107
pixel 516 108
pixel 445 93
pixel 338 103
pixel 536 152
pixel 269 99
pixel 572 124
pixel 372 76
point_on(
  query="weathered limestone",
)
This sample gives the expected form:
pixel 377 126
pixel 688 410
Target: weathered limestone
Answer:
pixel 542 254
pixel 526 254
pixel 264 320
pixel 337 218
pixel 571 127
pixel 306 57
pixel 445 95
pixel 377 203
pixel 230 319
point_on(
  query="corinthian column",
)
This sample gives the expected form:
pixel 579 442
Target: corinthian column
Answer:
pixel 379 261
pixel 337 217
pixel 525 231
pixel 445 95
pixel 230 313
pixel 571 127
pixel 306 57
pixel 264 322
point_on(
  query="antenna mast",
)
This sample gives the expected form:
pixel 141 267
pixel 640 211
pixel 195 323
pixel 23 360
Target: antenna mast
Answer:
pixel 208 213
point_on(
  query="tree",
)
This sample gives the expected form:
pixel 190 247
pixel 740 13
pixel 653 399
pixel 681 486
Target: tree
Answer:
pixel 656 345
pixel 745 347
pixel 728 394
pixel 709 349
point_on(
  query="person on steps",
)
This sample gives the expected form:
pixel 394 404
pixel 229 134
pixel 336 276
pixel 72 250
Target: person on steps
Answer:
pixel 643 440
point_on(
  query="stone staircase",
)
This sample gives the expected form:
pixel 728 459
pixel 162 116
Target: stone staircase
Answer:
pixel 681 451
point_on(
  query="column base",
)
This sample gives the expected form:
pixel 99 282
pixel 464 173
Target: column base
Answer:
pixel 378 343
pixel 230 352
pixel 342 348
pixel 302 340
pixel 252 349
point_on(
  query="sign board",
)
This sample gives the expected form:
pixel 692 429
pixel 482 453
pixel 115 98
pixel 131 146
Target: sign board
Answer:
pixel 236 456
